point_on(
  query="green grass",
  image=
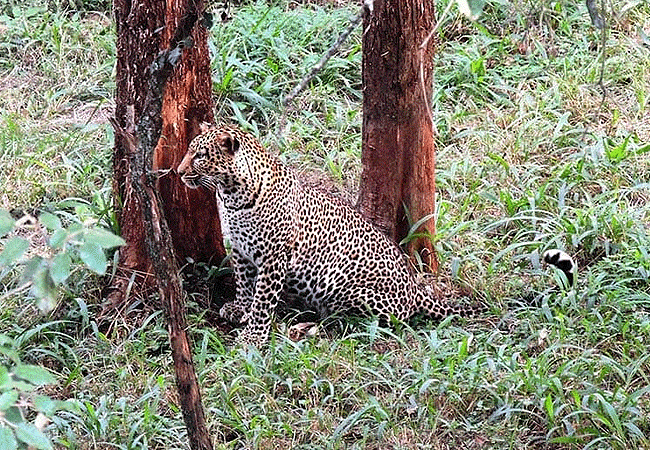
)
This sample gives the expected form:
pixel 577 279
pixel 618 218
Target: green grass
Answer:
pixel 57 81
pixel 530 157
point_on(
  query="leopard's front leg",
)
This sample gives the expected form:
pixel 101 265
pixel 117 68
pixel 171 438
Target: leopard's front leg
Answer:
pixel 237 311
pixel 270 281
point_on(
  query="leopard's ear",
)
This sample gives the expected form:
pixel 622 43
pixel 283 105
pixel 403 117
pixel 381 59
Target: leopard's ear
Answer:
pixel 204 127
pixel 230 143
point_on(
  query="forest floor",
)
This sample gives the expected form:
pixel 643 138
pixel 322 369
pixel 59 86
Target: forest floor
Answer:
pixel 543 141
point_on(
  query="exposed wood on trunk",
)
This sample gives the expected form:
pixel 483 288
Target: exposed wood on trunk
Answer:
pixel 398 152
pixel 191 213
pixel 157 237
pixel 138 42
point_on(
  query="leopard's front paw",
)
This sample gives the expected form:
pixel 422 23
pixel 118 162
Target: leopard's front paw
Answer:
pixel 254 337
pixel 234 312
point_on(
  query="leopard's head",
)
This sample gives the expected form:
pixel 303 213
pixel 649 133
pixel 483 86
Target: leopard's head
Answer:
pixel 210 159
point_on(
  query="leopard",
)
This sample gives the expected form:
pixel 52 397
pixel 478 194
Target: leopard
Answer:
pixel 291 240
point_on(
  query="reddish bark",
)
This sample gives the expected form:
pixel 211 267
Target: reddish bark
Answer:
pixel 398 152
pixel 137 44
pixel 143 29
pixel 191 213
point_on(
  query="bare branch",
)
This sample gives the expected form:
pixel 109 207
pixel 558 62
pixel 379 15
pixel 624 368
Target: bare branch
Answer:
pixel 366 8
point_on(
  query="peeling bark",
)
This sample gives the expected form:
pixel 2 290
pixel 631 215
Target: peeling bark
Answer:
pixel 191 213
pixel 143 29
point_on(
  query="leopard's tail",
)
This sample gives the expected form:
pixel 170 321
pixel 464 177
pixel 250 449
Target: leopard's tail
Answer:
pixel 439 304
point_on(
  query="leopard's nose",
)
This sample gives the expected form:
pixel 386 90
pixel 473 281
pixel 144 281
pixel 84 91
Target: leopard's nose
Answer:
pixel 182 168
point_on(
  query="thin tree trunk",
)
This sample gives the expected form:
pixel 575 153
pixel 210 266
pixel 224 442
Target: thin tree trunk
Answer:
pixel 157 238
pixel 398 152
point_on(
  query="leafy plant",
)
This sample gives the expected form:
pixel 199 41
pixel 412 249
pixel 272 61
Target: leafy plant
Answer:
pixel 46 274
pixel 23 412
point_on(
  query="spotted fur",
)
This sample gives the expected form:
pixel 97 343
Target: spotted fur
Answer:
pixel 289 238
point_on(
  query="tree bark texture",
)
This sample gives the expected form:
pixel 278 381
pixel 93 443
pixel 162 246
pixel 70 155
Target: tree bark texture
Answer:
pixel 158 245
pixel 144 28
pixel 398 153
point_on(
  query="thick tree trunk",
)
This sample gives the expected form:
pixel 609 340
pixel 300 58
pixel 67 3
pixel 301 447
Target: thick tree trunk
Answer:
pixel 398 153
pixel 137 44
pixel 143 29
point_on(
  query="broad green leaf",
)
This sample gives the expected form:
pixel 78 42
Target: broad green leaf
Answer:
pixel 5 381
pixel 103 238
pixel 23 386
pixel 34 374
pixel 6 222
pixel 30 435
pixel 67 405
pixel 42 284
pixel 8 399
pixel 32 267
pixel 13 415
pixel 48 302
pixel 14 249
pixel 9 353
pixel 93 256
pixel 46 405
pixel 5 340
pixel 60 268
pixel 50 221
pixel 7 439
pixel 471 9
pixel 58 238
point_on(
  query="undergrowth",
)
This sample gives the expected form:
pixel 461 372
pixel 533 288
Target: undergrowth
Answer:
pixel 542 142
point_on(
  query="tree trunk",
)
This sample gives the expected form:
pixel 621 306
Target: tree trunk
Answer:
pixel 144 27
pixel 191 213
pixel 398 152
